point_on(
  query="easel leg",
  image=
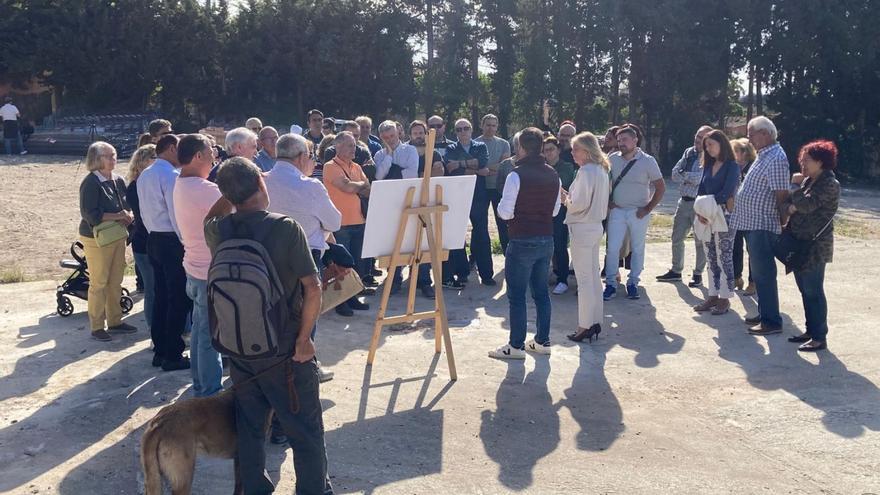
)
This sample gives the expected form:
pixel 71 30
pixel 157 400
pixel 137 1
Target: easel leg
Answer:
pixel 440 304
pixel 386 287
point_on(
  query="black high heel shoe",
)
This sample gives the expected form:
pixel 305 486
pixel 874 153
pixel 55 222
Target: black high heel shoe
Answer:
pixel 586 333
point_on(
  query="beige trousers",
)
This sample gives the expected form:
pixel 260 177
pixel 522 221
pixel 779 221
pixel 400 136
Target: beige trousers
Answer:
pixel 106 269
pixel 585 241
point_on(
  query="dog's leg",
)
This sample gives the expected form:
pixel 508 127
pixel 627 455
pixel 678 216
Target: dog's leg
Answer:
pixel 150 461
pixel 179 466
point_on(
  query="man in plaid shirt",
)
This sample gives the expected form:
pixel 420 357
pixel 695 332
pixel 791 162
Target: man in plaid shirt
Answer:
pixel 757 213
pixel 687 173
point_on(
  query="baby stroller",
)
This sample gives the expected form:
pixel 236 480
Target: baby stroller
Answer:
pixel 77 284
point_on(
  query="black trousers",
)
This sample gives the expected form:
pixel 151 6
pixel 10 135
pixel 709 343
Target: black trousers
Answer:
pixel 738 253
pixel 171 305
pixel 290 389
pixel 561 262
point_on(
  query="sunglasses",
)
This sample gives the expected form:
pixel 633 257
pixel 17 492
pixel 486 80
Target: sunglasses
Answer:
pixel 435 126
pixel 462 129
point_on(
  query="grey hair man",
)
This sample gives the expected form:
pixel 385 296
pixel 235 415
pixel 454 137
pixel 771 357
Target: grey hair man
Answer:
pixel 240 141
pixel 268 138
pixel 687 173
pixel 759 203
pixel 294 193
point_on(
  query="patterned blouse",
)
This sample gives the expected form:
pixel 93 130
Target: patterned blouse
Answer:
pixel 816 202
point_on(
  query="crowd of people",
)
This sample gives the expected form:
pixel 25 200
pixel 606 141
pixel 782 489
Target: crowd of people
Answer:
pixel 554 197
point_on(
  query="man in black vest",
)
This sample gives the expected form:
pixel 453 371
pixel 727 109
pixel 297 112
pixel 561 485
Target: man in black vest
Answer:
pixel 531 198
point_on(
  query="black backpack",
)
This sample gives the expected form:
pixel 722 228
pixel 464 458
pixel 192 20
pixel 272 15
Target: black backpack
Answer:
pixel 246 304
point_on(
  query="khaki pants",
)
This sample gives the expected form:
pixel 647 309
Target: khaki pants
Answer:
pixel 585 241
pixel 106 269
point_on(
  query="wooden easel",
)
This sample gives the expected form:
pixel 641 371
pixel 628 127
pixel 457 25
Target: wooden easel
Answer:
pixel 430 226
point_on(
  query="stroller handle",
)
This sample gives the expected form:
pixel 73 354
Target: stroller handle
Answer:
pixel 75 249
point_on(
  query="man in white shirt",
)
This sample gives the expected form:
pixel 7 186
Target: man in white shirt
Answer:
pixel 294 193
pixel 11 127
pixel 171 305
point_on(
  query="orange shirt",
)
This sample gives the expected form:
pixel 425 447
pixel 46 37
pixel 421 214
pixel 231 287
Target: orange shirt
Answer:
pixel 349 204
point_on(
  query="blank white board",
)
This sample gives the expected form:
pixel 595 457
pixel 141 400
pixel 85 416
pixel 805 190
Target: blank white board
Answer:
pixel 387 205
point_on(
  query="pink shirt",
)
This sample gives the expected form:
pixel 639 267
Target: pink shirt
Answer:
pixel 193 197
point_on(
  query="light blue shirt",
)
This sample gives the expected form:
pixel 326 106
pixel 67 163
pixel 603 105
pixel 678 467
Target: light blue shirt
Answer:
pixel 155 188
pixel 264 161
pixel 303 199
pixel 405 155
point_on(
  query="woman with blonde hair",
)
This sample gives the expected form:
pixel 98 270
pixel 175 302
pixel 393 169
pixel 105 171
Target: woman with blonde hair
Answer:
pixel 102 231
pixel 587 203
pixel 745 155
pixel 140 160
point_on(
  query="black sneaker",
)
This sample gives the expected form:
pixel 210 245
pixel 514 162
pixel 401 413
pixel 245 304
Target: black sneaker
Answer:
pixel 178 364
pixel 489 282
pixel 344 310
pixel 669 276
pixel 696 280
pixel 357 305
pixel 370 281
pixel 101 335
pixel 122 328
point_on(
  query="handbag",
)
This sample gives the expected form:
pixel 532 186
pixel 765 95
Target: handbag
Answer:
pixel 108 232
pixel 793 252
pixel 338 288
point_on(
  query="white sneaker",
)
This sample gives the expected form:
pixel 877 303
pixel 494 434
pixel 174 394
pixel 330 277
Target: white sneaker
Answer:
pixel 323 374
pixel 560 289
pixel 507 352
pixel 23 152
pixel 537 348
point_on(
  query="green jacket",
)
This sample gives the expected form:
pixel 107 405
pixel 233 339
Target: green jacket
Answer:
pixel 566 173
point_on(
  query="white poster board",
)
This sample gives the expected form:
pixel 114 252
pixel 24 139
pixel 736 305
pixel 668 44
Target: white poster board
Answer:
pixel 387 204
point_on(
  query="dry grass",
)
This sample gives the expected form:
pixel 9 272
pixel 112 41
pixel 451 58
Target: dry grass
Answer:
pixel 12 275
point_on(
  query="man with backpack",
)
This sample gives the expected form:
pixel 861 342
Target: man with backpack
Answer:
pixel 264 296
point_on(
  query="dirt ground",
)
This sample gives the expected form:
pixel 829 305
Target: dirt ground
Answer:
pixel 666 401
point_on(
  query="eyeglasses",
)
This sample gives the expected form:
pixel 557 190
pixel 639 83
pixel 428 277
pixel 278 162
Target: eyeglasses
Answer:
pixel 462 129
pixel 435 126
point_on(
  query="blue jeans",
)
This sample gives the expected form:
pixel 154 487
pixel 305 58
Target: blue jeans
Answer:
pixel 8 143
pixel 205 363
pixel 142 261
pixel 481 244
pixel 811 283
pixel 527 265
pixel 762 265
pixel 352 237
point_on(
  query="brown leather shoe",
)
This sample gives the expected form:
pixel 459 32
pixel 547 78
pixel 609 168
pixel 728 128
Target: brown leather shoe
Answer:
pixel 707 304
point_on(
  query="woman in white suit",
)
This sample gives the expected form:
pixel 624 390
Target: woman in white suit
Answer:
pixel 587 203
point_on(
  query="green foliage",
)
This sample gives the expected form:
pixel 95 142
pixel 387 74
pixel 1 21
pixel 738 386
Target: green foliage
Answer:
pixel 667 65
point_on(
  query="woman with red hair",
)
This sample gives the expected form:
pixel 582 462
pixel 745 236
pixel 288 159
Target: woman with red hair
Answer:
pixel 812 208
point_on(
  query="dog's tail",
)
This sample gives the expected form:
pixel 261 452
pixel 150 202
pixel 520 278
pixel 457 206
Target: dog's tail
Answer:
pixel 150 460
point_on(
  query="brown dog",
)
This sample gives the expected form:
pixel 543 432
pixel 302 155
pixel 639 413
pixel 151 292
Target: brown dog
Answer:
pixel 182 430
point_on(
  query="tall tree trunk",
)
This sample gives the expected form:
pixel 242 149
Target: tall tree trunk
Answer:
pixel 475 86
pixel 751 93
pixel 759 95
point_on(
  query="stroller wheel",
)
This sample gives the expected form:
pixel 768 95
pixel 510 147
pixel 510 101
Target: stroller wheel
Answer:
pixel 126 303
pixel 65 307
pixel 125 292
